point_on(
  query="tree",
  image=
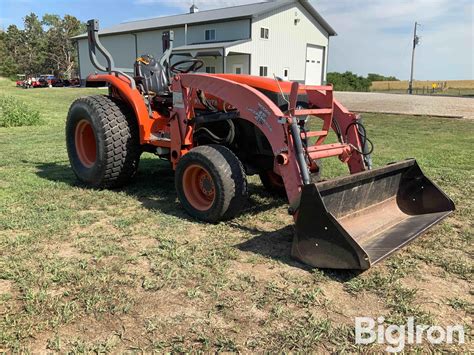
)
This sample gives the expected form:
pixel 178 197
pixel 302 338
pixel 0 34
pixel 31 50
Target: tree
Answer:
pixel 41 47
pixel 61 53
pixel 378 77
pixel 348 81
pixel 10 50
pixel 8 67
pixel 33 45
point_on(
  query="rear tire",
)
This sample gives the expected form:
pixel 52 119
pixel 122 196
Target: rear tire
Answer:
pixel 211 183
pixel 102 141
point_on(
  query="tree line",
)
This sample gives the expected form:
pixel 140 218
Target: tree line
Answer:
pixel 349 81
pixel 43 46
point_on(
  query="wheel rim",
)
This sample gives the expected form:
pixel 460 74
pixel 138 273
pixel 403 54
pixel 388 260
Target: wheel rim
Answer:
pixel 86 147
pixel 199 187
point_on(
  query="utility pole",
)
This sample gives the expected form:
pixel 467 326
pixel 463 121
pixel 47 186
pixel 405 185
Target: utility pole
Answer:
pixel 416 41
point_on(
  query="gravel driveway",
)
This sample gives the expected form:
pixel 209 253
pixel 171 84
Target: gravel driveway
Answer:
pixel 407 104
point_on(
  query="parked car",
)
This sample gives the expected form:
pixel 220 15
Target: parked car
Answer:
pixel 37 84
pixel 57 83
pixel 75 82
pixel 31 82
pixel 21 80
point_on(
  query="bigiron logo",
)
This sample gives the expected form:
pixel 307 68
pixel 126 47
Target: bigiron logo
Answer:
pixel 369 331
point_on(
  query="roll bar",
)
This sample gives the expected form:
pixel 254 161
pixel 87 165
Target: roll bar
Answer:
pixel 168 39
pixel 95 44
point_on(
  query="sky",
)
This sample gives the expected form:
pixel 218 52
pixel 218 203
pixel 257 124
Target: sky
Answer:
pixel 374 36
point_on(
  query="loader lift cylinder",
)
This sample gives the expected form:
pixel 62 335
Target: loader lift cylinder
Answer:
pixel 296 135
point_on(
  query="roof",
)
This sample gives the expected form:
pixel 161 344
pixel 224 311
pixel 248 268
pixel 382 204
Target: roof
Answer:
pixel 226 13
pixel 214 47
pixel 211 45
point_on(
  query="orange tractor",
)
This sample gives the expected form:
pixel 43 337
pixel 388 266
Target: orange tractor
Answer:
pixel 217 129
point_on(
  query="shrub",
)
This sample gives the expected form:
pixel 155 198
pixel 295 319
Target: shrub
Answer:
pixel 348 82
pixel 378 77
pixel 14 113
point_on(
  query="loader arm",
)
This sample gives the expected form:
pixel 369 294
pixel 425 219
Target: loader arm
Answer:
pixel 253 106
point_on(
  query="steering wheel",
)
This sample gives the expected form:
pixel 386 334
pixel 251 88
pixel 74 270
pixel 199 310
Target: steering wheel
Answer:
pixel 193 65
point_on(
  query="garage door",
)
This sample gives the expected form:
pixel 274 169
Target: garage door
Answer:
pixel 314 65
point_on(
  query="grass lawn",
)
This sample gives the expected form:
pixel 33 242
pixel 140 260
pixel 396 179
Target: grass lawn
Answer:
pixel 87 270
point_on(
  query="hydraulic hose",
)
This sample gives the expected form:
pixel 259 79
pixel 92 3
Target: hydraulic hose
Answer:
pixel 296 134
pixel 366 144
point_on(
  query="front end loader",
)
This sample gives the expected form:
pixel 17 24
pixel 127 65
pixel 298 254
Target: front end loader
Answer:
pixel 216 129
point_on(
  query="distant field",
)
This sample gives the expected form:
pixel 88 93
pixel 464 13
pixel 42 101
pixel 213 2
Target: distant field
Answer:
pixel 450 87
pixel 403 85
pixel 113 271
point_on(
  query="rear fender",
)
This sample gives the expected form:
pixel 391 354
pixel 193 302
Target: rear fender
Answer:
pixel 120 87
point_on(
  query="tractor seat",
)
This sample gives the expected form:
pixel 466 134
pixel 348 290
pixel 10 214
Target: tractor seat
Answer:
pixel 152 75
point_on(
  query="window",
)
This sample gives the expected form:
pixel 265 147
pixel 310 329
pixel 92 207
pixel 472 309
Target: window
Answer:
pixel 264 33
pixel 211 70
pixel 285 73
pixel 263 71
pixel 238 69
pixel 210 35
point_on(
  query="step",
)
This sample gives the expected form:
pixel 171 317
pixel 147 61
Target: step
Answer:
pixel 317 148
pixel 327 150
pixel 313 112
pixel 318 88
pixel 314 134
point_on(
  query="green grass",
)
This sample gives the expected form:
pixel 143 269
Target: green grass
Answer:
pixel 127 270
pixel 15 113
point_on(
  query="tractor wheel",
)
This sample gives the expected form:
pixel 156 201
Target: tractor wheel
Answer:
pixel 211 183
pixel 102 141
pixel 273 183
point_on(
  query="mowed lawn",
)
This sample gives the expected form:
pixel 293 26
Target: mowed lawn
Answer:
pixel 127 270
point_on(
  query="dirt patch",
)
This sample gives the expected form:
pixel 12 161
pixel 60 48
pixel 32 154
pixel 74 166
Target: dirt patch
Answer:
pixel 102 225
pixel 343 307
pixel 407 104
pixel 6 287
pixel 264 272
pixel 67 250
pixel 434 291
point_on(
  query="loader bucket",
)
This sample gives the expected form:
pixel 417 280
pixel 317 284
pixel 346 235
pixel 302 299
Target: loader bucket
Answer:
pixel 356 221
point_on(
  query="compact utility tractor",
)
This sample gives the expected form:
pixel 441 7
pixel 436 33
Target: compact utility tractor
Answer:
pixel 216 129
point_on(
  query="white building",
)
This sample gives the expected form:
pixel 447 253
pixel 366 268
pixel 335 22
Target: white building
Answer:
pixel 288 39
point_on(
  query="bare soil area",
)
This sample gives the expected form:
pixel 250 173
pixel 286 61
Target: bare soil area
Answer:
pixel 457 107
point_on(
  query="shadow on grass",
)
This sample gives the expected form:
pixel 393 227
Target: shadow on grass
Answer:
pixel 154 188
pixel 276 245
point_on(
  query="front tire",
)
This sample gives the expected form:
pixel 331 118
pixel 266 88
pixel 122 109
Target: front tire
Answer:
pixel 102 141
pixel 211 183
pixel 273 183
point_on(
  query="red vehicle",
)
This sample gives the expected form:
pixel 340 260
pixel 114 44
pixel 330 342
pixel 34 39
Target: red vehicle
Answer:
pixel 217 129
pixel 37 84
pixel 74 82
pixel 45 81
pixel 21 80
